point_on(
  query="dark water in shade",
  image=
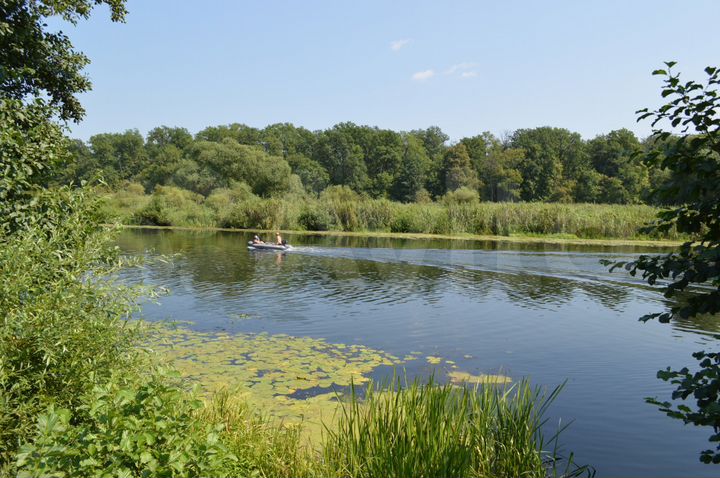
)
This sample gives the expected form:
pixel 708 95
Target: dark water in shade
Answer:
pixel 544 311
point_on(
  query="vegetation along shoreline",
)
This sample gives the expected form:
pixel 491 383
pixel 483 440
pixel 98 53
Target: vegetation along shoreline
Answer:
pixel 519 239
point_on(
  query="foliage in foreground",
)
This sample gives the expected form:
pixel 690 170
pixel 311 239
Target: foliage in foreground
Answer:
pixel 125 428
pixel 694 271
pixel 63 329
pixel 430 430
pixel 151 426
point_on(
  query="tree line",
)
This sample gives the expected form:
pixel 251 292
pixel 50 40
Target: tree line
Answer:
pixel 537 164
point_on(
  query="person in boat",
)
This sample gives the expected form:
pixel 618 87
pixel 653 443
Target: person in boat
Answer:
pixel 257 240
pixel 279 239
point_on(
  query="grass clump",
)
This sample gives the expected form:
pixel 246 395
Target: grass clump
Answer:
pixel 430 430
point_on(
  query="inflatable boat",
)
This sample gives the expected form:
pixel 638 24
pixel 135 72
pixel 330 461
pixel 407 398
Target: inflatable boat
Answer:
pixel 268 247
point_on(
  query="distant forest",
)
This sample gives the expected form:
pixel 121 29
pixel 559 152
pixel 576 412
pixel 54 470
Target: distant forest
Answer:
pixel 539 164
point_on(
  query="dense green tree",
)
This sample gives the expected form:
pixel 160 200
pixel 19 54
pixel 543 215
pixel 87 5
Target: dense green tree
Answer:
pixel 163 164
pixel 554 157
pixel 313 176
pixel 610 151
pixel 589 186
pixel 691 114
pixel 228 161
pixel 499 173
pixel 410 179
pixel 343 159
pixel 166 136
pixel 119 155
pixel 433 139
pixel 614 155
pixel 31 147
pixel 659 176
pixel 284 139
pixel 188 174
pixel 383 159
pixel 496 166
pixel 457 170
pixel 165 147
pixel 241 133
pixel 542 164
pixel 478 148
pixel 35 62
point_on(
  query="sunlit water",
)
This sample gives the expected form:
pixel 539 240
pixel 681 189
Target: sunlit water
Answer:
pixel 537 311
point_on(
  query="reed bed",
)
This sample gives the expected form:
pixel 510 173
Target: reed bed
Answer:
pixel 443 430
pixel 170 206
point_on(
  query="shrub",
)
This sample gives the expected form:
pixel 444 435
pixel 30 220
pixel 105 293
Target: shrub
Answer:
pixel 256 214
pixel 171 206
pixel 314 219
pixel 339 194
pixel 63 324
pixel 461 195
pixel 375 215
pixel 423 196
pixel 142 427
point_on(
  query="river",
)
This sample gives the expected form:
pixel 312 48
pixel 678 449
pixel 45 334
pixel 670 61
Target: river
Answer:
pixel 547 312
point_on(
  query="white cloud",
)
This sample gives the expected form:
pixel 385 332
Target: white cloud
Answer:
pixel 398 44
pixel 423 75
pixel 460 67
pixel 468 74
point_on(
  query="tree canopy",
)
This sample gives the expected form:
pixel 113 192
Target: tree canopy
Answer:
pixel 34 61
pixel 538 164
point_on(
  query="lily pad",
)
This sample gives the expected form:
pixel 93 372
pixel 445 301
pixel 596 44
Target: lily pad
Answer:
pixel 457 377
pixel 267 369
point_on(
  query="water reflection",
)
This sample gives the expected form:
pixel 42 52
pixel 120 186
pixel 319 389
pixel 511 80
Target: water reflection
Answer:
pixel 219 264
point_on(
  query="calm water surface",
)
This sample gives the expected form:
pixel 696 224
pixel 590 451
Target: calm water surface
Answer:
pixel 542 311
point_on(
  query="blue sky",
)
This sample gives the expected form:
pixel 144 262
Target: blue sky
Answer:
pixel 466 66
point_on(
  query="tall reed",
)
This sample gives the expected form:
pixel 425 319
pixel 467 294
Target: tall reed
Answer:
pixel 430 430
pixel 175 207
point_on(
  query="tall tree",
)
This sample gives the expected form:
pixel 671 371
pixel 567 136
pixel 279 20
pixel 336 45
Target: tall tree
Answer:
pixel 615 156
pixel 228 161
pixel 313 176
pixel 241 133
pixel 342 158
pixel 499 173
pixel 120 155
pixel 413 168
pixel 457 170
pixel 284 139
pixel 554 159
pixel 383 159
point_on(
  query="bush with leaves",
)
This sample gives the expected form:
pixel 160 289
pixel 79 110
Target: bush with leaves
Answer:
pixel 145 426
pixel 63 329
pixel 692 128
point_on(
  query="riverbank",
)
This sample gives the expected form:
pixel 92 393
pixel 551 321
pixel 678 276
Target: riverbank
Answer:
pixel 516 239
pixel 336 213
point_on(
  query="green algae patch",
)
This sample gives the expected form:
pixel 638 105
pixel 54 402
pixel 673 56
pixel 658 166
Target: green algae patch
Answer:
pixel 294 379
pixel 433 360
pixel 460 378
